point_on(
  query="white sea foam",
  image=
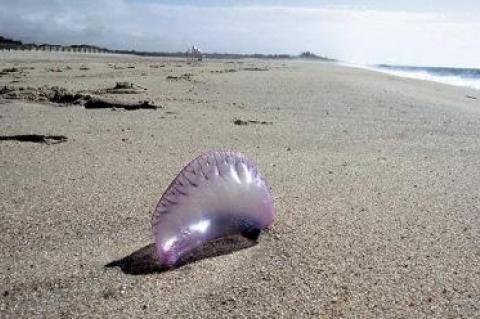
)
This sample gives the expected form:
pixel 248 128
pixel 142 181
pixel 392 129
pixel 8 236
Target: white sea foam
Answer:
pixel 427 74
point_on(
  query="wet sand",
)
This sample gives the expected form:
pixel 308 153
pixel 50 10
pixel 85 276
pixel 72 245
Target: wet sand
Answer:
pixel 375 178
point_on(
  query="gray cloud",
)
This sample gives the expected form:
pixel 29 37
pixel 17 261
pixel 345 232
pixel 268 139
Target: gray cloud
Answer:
pixel 350 33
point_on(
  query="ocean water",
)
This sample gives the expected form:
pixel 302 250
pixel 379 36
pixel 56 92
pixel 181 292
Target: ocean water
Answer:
pixel 453 76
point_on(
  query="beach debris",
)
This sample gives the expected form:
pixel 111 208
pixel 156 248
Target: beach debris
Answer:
pixel 53 94
pixel 218 194
pixel 61 95
pixel 10 70
pixel 7 71
pixel 35 138
pixel 471 97
pixel 122 88
pixel 242 122
pixel 42 94
pixel 64 96
pixel 185 76
pixel 101 103
pixel 255 69
pixel 223 71
pixel 7 89
pixel 123 85
pixel 84 68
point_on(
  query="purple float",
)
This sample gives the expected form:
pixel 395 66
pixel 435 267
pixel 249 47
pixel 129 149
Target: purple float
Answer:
pixel 218 194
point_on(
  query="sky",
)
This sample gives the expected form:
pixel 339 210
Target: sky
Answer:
pixel 408 32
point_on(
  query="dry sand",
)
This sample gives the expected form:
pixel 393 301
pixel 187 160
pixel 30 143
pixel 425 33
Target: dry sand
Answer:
pixel 376 181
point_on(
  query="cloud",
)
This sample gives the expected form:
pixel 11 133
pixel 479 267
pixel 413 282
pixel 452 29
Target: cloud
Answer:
pixel 351 33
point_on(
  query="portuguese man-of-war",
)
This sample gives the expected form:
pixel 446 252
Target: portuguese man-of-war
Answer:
pixel 219 193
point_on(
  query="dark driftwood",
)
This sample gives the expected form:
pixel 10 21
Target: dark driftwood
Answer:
pixel 35 138
pixel 242 122
pixel 99 103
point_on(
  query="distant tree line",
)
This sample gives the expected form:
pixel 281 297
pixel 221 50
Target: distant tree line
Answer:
pixel 11 44
pixel 310 55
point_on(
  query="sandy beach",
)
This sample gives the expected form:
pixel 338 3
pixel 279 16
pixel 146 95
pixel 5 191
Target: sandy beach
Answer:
pixel 375 178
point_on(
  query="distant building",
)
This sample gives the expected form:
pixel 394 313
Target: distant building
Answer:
pixel 194 54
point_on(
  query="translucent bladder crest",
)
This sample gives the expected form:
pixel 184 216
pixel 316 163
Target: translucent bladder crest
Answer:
pixel 217 194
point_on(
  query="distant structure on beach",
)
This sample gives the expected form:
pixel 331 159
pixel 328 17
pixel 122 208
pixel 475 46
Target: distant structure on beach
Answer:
pixel 194 54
